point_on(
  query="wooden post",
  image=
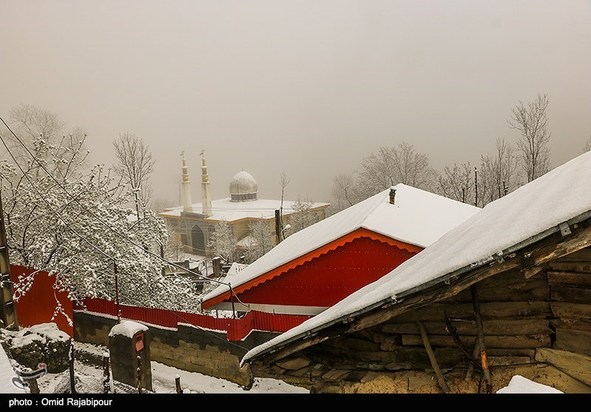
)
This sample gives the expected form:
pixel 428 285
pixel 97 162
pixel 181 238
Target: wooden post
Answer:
pixel 106 373
pixel 480 335
pixel 162 270
pixel 177 382
pixel 33 385
pixel 475 187
pixel 433 359
pixel 7 306
pixel 116 293
pixel 139 373
pixel 277 226
pixel 71 367
pixel 470 370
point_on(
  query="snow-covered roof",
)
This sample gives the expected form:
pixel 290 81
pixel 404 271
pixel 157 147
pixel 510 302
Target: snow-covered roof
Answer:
pixel 225 209
pixel 418 217
pixel 510 222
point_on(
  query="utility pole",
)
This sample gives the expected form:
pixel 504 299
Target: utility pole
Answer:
pixel 475 187
pixel 277 226
pixel 7 306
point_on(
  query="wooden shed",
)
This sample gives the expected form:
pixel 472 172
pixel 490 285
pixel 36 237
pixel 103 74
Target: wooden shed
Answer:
pixel 506 293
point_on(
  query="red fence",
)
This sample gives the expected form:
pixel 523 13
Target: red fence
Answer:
pixel 236 329
pixel 40 302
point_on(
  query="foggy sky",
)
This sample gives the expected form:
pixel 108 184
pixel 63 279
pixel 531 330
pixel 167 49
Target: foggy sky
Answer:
pixel 305 87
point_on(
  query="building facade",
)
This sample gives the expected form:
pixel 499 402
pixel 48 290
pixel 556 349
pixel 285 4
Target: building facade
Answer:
pixel 196 222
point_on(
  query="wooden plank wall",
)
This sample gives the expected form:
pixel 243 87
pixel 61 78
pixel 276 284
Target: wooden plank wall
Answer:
pixel 570 292
pixel 525 321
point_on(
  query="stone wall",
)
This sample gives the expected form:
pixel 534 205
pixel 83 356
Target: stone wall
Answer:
pixel 187 347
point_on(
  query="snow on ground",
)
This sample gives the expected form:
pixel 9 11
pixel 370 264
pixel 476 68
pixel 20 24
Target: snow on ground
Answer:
pixel 7 374
pixel 519 384
pixel 89 380
pixel 41 333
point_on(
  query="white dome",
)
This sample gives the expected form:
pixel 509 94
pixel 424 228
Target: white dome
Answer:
pixel 243 187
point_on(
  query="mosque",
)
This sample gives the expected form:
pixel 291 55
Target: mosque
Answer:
pixel 195 222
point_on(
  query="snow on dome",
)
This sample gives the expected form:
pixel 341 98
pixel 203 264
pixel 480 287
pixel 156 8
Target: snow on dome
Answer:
pixel 127 328
pixel 243 187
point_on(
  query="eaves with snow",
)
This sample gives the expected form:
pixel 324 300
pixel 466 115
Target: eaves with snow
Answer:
pixel 555 201
pixel 416 218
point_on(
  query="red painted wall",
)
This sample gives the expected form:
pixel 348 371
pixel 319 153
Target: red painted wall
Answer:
pixel 39 303
pixel 329 278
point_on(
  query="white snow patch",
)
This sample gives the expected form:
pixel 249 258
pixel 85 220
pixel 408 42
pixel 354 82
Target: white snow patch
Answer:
pixel 127 328
pixel 90 380
pixel 519 384
pixel 41 332
pixel 7 374
pixel 542 204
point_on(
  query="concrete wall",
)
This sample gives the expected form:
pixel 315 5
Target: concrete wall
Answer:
pixel 187 348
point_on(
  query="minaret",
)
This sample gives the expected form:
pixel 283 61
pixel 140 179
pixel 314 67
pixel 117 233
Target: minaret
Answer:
pixel 205 197
pixel 186 187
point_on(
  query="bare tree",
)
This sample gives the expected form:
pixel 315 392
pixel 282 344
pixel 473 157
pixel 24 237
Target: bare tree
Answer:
pixel 345 192
pixel 134 165
pixel 587 146
pixel 392 165
pixel 284 183
pixel 498 173
pixel 174 247
pixel 223 241
pixel 40 133
pixel 457 182
pixel 303 216
pixel 33 122
pixel 262 239
pixel 532 122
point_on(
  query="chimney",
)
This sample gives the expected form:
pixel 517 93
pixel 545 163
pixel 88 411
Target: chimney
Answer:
pixel 392 196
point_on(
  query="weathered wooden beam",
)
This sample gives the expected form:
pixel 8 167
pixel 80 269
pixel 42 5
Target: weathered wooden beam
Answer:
pixel 434 364
pixel 480 339
pixel 581 280
pixel 524 290
pixel 489 310
pixel 584 325
pixel 572 295
pixel 574 364
pixel 531 272
pixel 578 341
pixel 557 249
pixel 468 327
pixel 575 311
pixel 562 266
pixel 583 255
pixel 507 342
pixel 293 348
